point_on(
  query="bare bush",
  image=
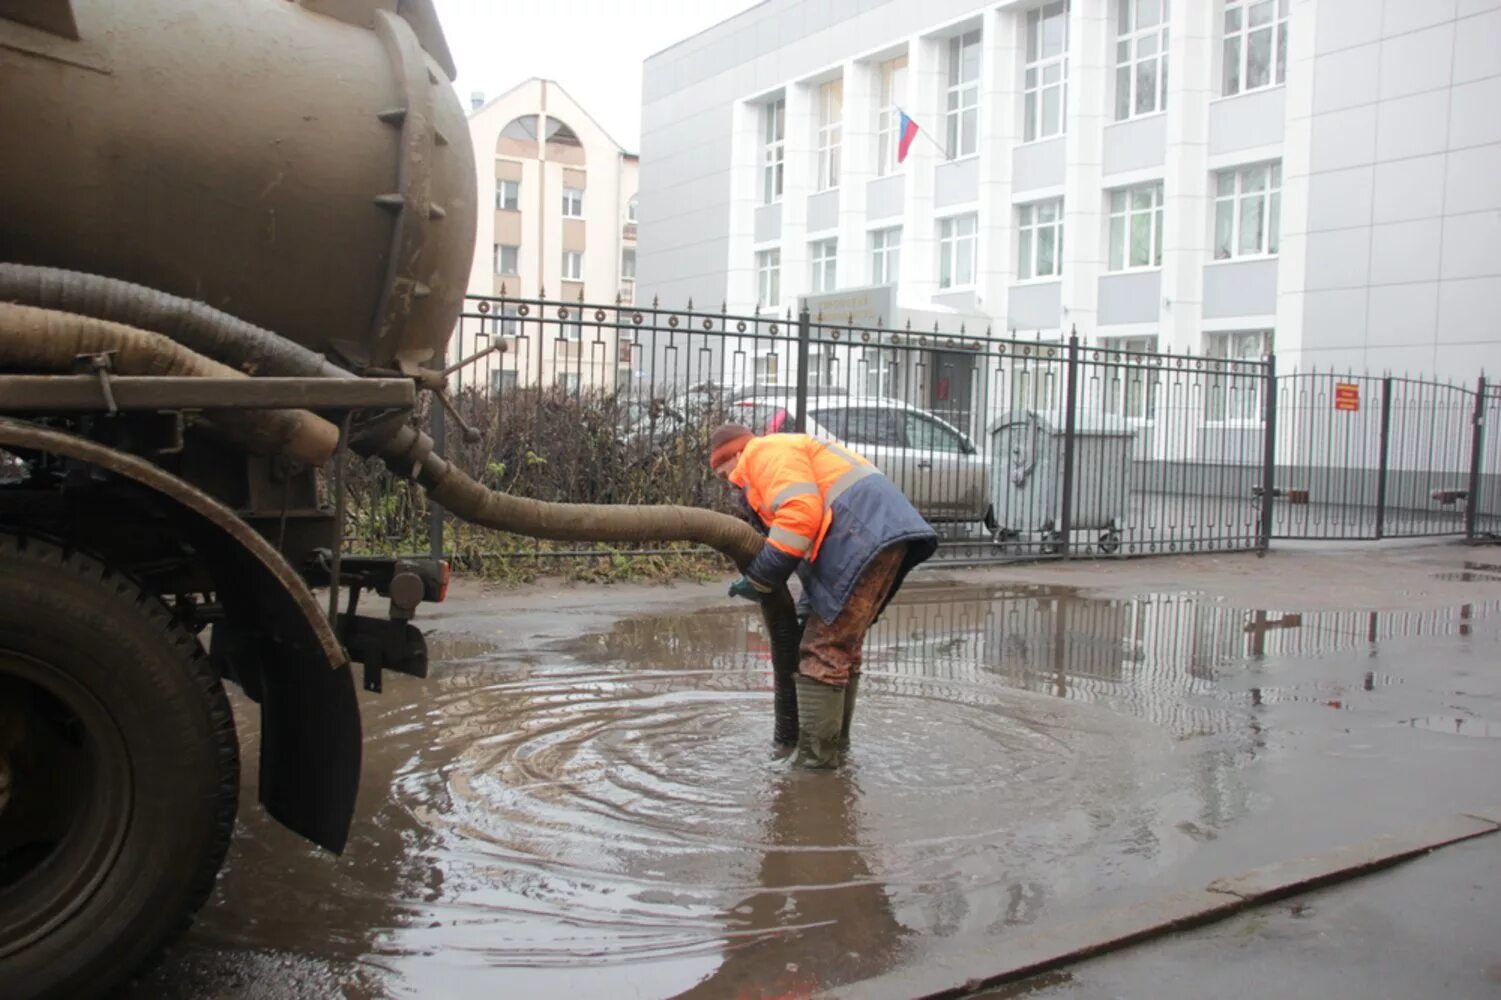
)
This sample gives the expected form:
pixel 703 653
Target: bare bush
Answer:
pixel 548 444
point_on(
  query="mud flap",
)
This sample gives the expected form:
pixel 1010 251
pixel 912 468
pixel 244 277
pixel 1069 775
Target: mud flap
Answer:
pixel 310 749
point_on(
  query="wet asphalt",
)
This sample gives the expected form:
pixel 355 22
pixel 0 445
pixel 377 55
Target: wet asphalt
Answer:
pixel 583 798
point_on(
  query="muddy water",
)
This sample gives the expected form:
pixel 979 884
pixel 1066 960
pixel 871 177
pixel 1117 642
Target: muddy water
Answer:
pixel 603 815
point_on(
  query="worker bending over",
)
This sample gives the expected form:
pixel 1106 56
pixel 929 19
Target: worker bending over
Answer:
pixel 850 535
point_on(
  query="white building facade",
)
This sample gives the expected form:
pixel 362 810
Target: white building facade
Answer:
pixel 1222 177
pixel 558 203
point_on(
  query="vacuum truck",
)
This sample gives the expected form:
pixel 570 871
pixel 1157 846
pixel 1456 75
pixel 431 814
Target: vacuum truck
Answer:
pixel 234 236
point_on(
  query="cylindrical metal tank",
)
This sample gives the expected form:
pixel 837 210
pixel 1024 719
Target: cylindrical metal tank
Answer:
pixel 302 165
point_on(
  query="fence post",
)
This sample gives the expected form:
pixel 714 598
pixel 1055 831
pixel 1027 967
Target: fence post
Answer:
pixel 1477 438
pixel 804 335
pixel 1070 428
pixel 434 512
pixel 1386 430
pixel 1269 456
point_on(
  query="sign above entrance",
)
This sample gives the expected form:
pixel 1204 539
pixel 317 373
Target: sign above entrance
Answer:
pixel 871 307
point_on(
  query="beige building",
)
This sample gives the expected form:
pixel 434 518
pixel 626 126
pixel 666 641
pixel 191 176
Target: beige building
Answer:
pixel 557 216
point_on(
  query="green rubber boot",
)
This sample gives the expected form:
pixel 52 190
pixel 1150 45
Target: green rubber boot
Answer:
pixel 850 690
pixel 820 713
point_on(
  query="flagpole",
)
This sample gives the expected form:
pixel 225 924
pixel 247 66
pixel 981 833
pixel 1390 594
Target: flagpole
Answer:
pixel 922 131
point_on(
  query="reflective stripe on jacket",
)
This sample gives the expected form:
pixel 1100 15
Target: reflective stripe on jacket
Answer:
pixel 790 481
pixel 828 513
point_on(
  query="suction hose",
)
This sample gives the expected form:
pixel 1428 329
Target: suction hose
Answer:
pixel 46 340
pixel 409 452
pixel 194 325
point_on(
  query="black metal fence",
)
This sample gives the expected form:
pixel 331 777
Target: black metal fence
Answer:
pixel 1014 447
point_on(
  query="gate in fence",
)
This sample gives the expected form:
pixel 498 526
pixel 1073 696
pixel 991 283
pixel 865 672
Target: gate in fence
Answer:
pixel 1014 447
pixel 1361 457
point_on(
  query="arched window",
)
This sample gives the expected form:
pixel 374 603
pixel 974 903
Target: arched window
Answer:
pixel 519 138
pixel 524 127
pixel 560 133
pixel 563 143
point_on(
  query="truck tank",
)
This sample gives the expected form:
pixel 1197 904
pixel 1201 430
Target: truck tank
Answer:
pixel 302 166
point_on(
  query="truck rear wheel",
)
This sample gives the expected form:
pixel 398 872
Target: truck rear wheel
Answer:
pixel 119 773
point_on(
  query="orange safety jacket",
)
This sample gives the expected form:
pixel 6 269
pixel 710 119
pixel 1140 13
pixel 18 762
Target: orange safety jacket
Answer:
pixel 827 513
pixel 791 481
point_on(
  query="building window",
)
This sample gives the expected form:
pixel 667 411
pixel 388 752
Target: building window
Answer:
pixel 1130 386
pixel 964 95
pixel 1037 384
pixel 1141 58
pixel 873 372
pixel 1045 77
pixel 630 209
pixel 507 259
pixel 573 203
pixel 822 371
pixel 508 196
pixel 1040 247
pixel 568 381
pixel 830 116
pixel 502 379
pixel 824 276
pixel 766 368
pixel 1136 227
pixel 573 265
pixel 1232 395
pixel 886 256
pixel 1247 211
pixel 628 264
pixel 889 116
pixel 768 278
pixel 956 251
pixel 773 137
pixel 506 324
pixel 1255 53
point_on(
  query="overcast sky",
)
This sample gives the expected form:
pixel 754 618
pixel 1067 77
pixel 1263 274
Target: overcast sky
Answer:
pixel 594 48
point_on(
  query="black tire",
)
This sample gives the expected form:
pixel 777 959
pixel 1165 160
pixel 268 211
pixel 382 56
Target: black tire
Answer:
pixel 989 520
pixel 125 770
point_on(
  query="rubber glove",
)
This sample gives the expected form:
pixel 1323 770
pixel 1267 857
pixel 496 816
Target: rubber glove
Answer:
pixel 749 589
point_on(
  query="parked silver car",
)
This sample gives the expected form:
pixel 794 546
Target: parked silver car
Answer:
pixel 936 465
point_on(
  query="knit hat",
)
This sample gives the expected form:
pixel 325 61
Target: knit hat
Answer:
pixel 726 442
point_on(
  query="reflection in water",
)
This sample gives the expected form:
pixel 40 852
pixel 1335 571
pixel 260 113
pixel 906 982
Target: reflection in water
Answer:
pixel 606 825
pixel 607 819
pixel 1459 725
pixel 830 914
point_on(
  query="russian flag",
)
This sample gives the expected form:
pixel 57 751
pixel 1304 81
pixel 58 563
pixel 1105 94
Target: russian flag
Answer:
pixel 907 129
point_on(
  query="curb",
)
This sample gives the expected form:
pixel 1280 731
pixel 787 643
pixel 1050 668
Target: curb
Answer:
pixel 1034 952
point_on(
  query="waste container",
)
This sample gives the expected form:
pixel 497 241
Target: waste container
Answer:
pixel 1026 478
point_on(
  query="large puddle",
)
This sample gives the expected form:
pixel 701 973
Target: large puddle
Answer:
pixel 605 817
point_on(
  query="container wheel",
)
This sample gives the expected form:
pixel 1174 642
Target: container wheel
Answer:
pixel 1110 541
pixel 989 520
pixel 119 774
